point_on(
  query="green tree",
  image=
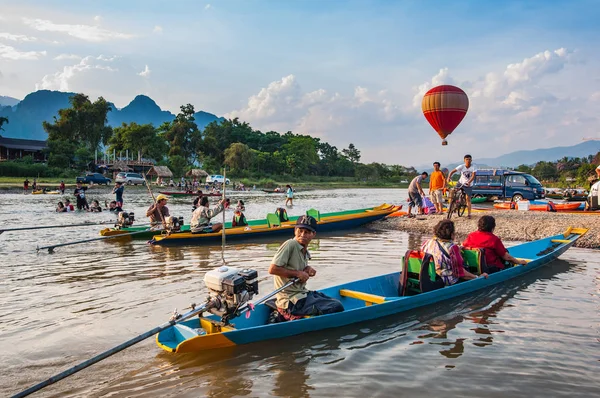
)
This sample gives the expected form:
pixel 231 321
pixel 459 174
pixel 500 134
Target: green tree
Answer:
pixel 238 157
pixel 137 138
pixel 524 169
pixel 352 153
pixel 178 165
pixel 3 120
pixel 183 135
pixel 545 170
pixel 300 152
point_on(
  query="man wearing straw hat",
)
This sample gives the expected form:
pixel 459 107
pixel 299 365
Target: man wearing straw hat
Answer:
pixel 158 211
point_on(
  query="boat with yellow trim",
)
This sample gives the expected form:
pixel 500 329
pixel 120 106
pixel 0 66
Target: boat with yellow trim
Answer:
pixel 268 226
pixel 272 226
pixel 414 286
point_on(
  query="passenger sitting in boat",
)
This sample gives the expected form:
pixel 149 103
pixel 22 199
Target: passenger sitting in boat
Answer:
pixel 446 255
pixel 60 208
pixel 201 217
pixel 291 261
pixel 95 207
pixel 240 206
pixel 158 208
pixel 495 252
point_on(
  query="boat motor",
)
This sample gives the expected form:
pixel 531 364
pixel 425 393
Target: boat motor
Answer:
pixel 174 224
pixel 230 288
pixel 125 219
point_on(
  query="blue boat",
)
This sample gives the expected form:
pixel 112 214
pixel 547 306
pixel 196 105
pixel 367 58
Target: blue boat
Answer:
pixel 363 300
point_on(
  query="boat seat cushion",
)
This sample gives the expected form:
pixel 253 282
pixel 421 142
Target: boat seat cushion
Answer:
pixel 273 220
pixel 316 214
pixel 418 276
pixel 474 260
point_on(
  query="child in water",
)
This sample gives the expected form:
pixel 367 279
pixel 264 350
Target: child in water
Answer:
pixel 95 207
pixel 60 208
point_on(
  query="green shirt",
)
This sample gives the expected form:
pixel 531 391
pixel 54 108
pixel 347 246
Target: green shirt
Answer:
pixel 291 256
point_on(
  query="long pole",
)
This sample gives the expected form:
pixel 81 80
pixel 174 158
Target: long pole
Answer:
pixel 56 226
pixel 111 352
pixel 223 229
pixel 136 340
pixel 52 247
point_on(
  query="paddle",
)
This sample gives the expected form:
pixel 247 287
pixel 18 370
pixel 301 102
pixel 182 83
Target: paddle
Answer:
pixel 56 226
pixel 141 337
pixel 52 247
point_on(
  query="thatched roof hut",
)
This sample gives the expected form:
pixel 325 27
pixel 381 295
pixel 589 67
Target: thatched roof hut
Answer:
pixel 160 171
pixel 198 173
pixel 121 165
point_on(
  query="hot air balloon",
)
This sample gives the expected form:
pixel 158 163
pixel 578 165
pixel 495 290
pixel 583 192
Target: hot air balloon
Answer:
pixel 444 108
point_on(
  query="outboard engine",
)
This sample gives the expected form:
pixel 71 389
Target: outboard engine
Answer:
pixel 174 224
pixel 125 219
pixel 230 288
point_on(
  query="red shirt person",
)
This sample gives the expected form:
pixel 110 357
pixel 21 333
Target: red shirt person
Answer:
pixel 495 252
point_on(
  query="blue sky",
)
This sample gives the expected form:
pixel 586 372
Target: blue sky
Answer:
pixel 347 71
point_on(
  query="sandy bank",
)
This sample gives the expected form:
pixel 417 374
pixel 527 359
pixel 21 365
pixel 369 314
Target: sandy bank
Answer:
pixel 511 225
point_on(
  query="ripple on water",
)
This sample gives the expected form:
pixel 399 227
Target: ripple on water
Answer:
pixel 535 336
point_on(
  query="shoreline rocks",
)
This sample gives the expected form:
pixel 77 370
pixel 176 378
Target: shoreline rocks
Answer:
pixel 511 225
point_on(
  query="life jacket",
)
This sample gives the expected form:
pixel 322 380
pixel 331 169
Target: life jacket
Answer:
pixel 282 214
pixel 239 220
pixel 551 207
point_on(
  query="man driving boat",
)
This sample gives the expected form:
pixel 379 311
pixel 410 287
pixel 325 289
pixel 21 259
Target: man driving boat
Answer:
pixel 291 261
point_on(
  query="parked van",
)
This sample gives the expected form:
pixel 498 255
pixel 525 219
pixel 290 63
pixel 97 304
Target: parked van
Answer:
pixel 508 184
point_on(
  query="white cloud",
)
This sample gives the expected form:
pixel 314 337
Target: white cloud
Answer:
pixel 83 32
pixel 442 77
pixel 9 36
pixel 283 106
pixel 97 18
pixel 145 73
pixel 61 80
pixel 207 7
pixel 12 53
pixel 62 57
pixel 157 29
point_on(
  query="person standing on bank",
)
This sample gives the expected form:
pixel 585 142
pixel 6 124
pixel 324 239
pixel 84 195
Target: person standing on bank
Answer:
pixel 415 194
pixel 437 183
pixel 467 176
pixel 291 261
pixel 158 211
pixel 289 193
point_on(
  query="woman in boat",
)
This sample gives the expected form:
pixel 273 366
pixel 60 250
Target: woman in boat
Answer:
pixel 201 217
pixel 495 252
pixel 449 264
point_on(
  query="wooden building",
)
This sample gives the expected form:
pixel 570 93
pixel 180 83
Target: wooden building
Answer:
pixel 16 148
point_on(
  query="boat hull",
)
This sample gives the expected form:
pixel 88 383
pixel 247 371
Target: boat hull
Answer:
pixel 182 339
pixel 328 223
pixel 182 193
pixel 542 207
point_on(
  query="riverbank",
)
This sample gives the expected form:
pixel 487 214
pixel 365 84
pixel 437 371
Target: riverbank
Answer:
pixel 511 225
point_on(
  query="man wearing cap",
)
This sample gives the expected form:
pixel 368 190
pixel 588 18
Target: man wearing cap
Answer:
pixel 291 261
pixel 158 208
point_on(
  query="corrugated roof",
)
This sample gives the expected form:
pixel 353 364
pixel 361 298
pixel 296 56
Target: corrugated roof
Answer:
pixel 26 145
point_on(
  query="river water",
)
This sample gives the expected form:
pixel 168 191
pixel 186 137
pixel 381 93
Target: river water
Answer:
pixel 536 336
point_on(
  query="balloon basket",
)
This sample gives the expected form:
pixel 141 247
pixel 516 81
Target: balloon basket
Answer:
pixel 444 143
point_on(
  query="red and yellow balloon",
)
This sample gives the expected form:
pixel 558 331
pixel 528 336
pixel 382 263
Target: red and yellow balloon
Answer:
pixel 444 108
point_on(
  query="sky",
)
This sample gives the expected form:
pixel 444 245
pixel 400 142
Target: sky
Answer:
pixel 345 71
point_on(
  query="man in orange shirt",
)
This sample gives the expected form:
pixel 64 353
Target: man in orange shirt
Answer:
pixel 437 183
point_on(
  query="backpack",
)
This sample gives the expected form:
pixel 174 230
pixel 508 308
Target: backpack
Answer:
pixel 239 220
pixel 282 214
pixel 428 206
pixel 551 207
